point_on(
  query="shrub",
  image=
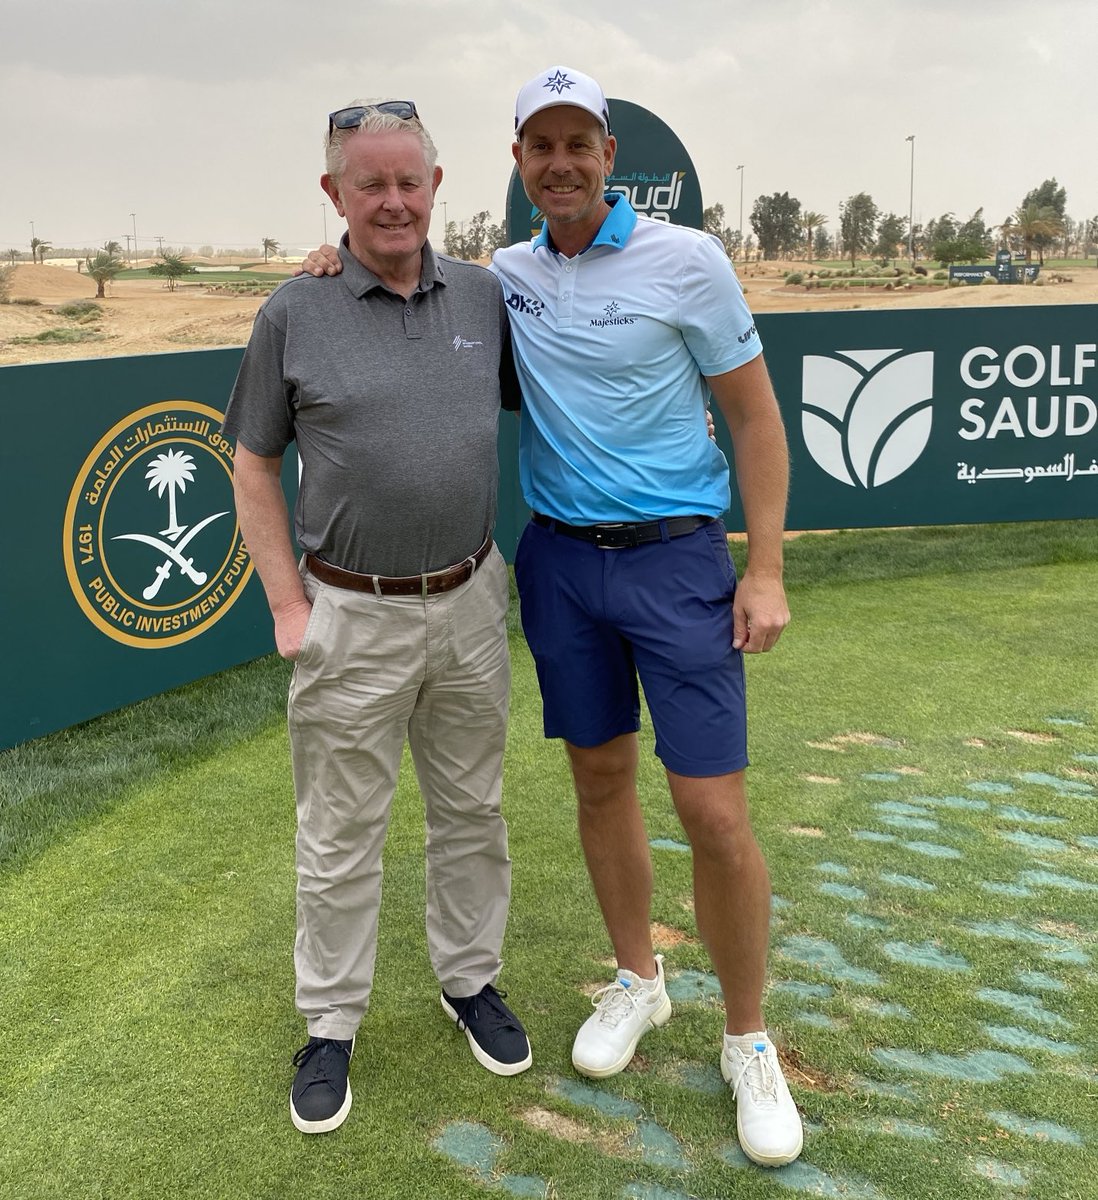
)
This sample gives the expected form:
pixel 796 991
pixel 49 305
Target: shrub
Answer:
pixel 28 300
pixel 941 275
pixel 5 283
pixel 825 272
pixel 79 310
pixel 794 277
pixel 64 336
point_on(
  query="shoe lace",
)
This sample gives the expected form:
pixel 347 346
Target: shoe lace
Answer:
pixel 758 1072
pixel 614 1003
pixel 487 1008
pixel 320 1049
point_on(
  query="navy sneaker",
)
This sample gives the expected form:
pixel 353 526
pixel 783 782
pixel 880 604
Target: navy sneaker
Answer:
pixel 496 1037
pixel 321 1096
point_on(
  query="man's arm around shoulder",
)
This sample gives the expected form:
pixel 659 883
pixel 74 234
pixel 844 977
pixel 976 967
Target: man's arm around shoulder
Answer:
pixel 746 398
pixel 265 524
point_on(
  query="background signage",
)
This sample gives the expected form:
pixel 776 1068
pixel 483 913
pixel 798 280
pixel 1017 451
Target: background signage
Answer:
pixel 127 576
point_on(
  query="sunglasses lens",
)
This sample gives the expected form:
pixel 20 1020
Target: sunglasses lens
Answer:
pixel 348 118
pixel 404 109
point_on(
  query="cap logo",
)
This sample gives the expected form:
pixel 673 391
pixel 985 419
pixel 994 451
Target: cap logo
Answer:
pixel 558 82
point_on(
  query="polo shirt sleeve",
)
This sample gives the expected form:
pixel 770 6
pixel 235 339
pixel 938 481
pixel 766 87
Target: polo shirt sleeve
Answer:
pixel 716 323
pixel 260 413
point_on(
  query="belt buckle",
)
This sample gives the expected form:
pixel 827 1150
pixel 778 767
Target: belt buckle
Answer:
pixel 608 528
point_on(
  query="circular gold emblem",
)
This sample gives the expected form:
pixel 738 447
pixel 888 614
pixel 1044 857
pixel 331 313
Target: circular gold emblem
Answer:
pixel 153 551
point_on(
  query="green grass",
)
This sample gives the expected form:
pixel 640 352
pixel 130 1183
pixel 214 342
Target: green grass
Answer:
pixel 243 275
pixel 146 910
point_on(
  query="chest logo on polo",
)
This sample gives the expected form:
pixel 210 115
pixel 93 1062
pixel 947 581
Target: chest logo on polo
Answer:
pixel 460 343
pixel 524 304
pixel 612 315
pixel 152 548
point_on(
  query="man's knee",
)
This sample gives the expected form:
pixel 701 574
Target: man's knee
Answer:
pixel 604 774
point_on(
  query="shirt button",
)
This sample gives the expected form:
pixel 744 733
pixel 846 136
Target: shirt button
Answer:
pixel 407 312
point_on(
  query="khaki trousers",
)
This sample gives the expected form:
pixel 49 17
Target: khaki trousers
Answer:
pixel 372 672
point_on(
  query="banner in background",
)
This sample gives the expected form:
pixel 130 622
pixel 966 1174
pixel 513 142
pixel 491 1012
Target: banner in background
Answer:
pixel 126 572
pixel 127 575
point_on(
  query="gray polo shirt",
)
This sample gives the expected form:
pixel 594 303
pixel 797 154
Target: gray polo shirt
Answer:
pixel 393 404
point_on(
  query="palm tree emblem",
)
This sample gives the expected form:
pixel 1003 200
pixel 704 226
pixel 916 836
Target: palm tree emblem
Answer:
pixel 171 472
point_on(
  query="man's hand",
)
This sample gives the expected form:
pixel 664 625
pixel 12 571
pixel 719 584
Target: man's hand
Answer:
pixel 324 261
pixel 759 613
pixel 289 626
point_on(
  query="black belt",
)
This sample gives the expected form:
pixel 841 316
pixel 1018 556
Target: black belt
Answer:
pixel 404 585
pixel 620 535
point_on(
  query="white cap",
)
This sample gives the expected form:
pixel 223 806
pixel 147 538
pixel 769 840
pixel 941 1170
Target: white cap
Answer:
pixel 560 85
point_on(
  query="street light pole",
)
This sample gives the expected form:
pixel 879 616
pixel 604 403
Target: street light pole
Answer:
pixel 740 231
pixel 911 206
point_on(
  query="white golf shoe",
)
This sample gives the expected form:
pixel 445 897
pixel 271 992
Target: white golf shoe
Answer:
pixel 767 1121
pixel 624 1011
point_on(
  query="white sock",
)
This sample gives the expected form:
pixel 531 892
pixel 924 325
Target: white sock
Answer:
pixel 744 1041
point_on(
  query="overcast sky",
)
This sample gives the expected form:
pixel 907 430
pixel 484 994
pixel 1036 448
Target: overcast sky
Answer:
pixel 205 117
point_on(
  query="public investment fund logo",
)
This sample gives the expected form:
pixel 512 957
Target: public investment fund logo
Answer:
pixel 866 414
pixel 152 548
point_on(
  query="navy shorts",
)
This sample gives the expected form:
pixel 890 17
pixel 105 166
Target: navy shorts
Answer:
pixel 595 619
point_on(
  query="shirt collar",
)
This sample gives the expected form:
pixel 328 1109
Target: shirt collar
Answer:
pixel 613 232
pixel 360 279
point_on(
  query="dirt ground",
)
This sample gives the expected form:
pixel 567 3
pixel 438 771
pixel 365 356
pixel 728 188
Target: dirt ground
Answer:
pixel 143 317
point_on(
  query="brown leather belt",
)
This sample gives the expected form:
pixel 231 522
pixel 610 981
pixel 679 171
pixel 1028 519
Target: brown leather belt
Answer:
pixel 404 585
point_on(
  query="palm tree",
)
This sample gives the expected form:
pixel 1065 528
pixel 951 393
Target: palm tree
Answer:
pixel 1030 222
pixel 103 268
pixel 113 248
pixel 38 249
pixel 168 472
pixel 811 221
pixel 270 246
pixel 12 255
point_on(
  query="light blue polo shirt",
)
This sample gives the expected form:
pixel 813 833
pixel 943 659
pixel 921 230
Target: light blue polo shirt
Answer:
pixel 611 348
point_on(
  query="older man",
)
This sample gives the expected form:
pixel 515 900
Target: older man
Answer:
pixel 624 328
pixel 390 379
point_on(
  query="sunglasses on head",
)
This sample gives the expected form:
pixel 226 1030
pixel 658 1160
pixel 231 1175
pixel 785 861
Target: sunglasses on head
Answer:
pixel 348 118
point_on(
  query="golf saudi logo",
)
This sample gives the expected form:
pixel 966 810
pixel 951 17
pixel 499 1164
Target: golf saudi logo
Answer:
pixel 866 414
pixel 152 548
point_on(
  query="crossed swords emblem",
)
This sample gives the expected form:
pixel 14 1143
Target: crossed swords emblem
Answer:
pixel 173 554
pixel 168 473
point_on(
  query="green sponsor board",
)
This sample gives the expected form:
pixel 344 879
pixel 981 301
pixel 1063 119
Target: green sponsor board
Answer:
pixel 937 416
pixel 651 169
pixel 133 578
